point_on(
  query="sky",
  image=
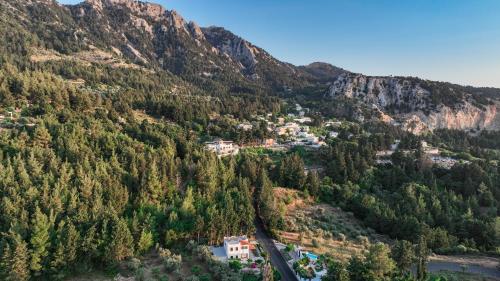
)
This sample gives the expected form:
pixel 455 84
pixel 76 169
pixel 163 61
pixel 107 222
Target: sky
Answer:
pixel 445 40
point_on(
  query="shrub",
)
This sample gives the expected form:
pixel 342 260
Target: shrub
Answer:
pixel 235 265
pixel 133 264
pixel 195 270
pixel 203 253
pixel 156 273
pixel 192 278
pixel 315 243
pixel 342 237
pixel 205 277
pixel 191 245
pixel 140 275
pixel 363 240
pixel 171 261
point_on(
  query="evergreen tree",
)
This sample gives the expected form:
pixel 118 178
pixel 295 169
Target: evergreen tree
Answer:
pixel 404 255
pixel 422 253
pixel 121 244
pixel 40 241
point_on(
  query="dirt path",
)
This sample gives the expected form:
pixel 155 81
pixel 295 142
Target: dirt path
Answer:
pixel 486 266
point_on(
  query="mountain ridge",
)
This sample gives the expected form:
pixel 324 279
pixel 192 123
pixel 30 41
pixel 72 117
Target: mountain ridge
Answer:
pixel 153 37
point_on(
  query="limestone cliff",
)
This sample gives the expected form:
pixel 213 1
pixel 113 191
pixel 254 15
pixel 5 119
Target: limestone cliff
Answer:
pixel 419 105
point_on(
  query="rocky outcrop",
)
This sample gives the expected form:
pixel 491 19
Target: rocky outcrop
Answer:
pixel 233 46
pixel 465 117
pixel 384 92
pixel 196 31
pixel 406 100
pixel 154 11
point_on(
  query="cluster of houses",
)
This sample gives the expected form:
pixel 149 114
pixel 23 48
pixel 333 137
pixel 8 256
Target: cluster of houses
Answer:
pixel 295 132
pixel 383 156
pixel 222 148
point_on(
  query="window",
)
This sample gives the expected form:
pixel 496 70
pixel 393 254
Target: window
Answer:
pixel 231 249
pixel 244 247
pixel 236 249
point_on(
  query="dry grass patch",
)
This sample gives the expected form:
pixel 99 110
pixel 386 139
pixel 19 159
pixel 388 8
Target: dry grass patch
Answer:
pixel 322 228
pixel 93 55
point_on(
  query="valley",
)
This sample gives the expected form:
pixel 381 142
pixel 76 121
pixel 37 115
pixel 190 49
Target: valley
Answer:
pixel 137 145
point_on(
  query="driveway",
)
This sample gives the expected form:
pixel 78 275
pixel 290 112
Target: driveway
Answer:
pixel 276 259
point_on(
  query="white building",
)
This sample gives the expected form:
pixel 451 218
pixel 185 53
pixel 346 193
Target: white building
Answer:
pixel 222 148
pixel 333 134
pixel 303 120
pixel 290 128
pixel 245 126
pixel 333 124
pixel 237 247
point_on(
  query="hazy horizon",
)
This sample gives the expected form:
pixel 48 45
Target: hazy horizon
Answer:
pixel 452 41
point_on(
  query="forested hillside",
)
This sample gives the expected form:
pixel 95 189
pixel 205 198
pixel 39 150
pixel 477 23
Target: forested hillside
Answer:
pixel 106 105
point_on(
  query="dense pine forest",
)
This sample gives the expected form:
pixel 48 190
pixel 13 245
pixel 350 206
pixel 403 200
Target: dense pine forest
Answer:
pixel 102 164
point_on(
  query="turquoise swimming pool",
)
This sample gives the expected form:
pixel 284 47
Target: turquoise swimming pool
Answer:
pixel 312 256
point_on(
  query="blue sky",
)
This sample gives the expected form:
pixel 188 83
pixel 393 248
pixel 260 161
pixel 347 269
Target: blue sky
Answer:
pixel 445 40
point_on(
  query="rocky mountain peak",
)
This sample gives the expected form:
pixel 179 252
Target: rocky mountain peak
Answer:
pixel 323 71
pixel 154 11
pixel 233 46
pixel 195 30
pixel 176 20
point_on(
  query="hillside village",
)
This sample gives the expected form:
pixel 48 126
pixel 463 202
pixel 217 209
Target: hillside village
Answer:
pixel 136 145
pixel 285 132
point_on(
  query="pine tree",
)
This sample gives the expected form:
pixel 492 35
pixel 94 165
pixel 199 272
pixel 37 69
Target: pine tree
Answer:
pixel 121 244
pixel 18 270
pixel 267 202
pixel 404 255
pixel 145 242
pixel 5 261
pixel 313 183
pixel 40 241
pixel 188 203
pixel 150 188
pixel 422 253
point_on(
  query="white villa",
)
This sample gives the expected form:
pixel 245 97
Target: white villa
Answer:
pixel 303 120
pixel 245 126
pixel 237 247
pixel 222 148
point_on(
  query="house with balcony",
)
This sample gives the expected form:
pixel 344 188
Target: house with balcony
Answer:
pixel 237 247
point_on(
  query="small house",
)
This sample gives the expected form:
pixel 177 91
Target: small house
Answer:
pixel 237 247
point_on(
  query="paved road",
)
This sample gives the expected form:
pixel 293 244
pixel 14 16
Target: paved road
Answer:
pixel 436 266
pixel 276 259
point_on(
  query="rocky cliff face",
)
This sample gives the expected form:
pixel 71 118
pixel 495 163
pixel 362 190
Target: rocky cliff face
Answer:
pixel 413 102
pixel 384 92
pixel 238 49
pixel 466 117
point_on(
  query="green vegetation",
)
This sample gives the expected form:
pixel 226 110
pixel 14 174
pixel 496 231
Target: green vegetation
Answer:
pixel 103 166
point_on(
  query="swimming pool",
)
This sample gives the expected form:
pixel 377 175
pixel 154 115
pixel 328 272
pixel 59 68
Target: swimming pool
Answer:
pixel 311 256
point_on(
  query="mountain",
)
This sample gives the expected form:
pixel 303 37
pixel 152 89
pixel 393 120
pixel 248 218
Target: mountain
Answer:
pixel 420 104
pixel 134 34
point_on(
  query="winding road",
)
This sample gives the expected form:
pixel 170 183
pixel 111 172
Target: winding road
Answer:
pixel 277 259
